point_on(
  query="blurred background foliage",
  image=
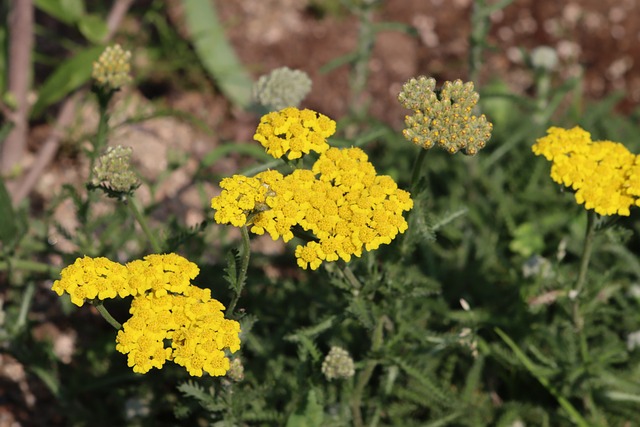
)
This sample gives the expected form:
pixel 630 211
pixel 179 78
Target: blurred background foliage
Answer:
pixel 466 320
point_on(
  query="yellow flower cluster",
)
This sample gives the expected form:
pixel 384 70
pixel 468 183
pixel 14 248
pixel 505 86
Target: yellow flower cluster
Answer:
pixel 605 175
pixel 294 132
pixel 340 200
pixel 112 69
pixel 166 308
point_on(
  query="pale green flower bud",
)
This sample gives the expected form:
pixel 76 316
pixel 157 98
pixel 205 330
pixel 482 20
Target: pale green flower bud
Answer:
pixel 282 88
pixel 113 172
pixel 444 118
pixel 112 69
pixel 544 58
pixel 338 364
pixel 236 370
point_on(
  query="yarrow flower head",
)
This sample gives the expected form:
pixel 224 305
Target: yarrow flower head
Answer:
pixel 294 132
pixel 281 88
pixel 604 174
pixel 444 118
pixel 338 364
pixel 112 69
pixel 172 320
pixel 341 200
pixel 113 172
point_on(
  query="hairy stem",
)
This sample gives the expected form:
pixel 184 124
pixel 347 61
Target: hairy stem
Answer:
pixel 244 266
pixel 580 283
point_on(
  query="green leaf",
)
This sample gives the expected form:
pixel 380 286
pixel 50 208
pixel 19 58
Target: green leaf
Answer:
pixel 534 370
pixel 215 52
pixel 67 11
pixel 313 414
pixel 8 226
pixel 71 74
pixel 93 27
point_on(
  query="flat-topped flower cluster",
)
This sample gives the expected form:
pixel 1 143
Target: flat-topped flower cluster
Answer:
pixel 340 200
pixel 604 174
pixel 166 307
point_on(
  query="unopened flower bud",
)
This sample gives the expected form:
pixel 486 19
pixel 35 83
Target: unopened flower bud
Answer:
pixel 282 88
pixel 236 370
pixel 113 172
pixel 112 69
pixel 338 364
pixel 444 118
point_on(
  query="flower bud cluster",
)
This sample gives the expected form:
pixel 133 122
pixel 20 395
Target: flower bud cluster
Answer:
pixel 281 88
pixel 444 118
pixel 604 174
pixel 338 364
pixel 113 171
pixel 112 69
pixel 172 320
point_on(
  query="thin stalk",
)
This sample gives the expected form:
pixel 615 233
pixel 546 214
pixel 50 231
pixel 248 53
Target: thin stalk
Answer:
pixel 417 167
pixel 135 210
pixel 244 267
pixel 27 298
pixel 365 375
pixel 103 128
pixel 99 305
pixel 580 283
pixel 351 278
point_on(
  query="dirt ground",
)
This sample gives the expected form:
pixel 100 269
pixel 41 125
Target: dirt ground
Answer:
pixel 599 38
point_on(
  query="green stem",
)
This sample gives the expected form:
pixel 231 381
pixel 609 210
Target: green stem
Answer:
pixel 365 375
pixel 244 267
pixel 360 75
pixel 99 305
pixel 351 278
pixel 135 210
pixel 417 167
pixel 26 265
pixel 27 298
pixel 103 129
pixel 586 250
pixel 580 284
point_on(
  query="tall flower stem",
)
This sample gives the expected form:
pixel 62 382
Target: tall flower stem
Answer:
pixel 99 305
pixel 365 375
pixel 135 210
pixel 417 167
pixel 580 283
pixel 244 267
pixel 100 140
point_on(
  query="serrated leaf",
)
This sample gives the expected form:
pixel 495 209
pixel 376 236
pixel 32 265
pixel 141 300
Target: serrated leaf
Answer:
pixel 215 52
pixel 313 415
pixel 231 270
pixel 70 75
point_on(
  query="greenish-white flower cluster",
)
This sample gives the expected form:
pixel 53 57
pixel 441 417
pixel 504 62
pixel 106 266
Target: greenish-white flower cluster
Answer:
pixel 112 70
pixel 444 118
pixel 338 364
pixel 281 88
pixel 113 171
